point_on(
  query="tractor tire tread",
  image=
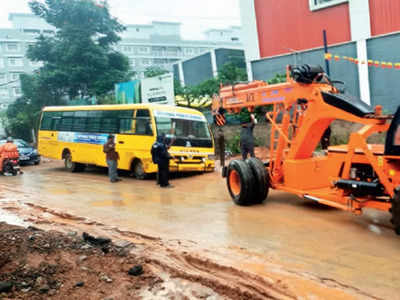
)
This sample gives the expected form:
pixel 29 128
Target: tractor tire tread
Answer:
pixel 261 186
pixel 245 197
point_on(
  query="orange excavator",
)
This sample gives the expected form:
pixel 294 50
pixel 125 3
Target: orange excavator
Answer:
pixel 350 177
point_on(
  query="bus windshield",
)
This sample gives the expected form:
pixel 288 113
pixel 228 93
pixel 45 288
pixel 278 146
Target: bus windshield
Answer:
pixel 187 130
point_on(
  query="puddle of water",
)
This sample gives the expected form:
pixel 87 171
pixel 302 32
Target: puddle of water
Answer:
pixel 11 219
pixel 115 203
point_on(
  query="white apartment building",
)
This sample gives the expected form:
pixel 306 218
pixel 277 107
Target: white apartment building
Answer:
pixel 160 44
pixel 156 44
pixel 14 43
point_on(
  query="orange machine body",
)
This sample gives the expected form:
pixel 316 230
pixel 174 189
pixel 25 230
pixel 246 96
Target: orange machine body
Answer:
pixel 299 117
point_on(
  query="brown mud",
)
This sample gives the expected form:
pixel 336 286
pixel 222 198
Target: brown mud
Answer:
pixel 233 253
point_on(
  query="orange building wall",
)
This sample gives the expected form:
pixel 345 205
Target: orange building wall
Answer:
pixel 284 24
pixel 385 16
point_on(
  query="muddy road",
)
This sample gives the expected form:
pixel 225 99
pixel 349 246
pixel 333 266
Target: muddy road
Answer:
pixel 318 251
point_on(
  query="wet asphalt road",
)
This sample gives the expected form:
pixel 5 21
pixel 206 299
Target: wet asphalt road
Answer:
pixel 361 251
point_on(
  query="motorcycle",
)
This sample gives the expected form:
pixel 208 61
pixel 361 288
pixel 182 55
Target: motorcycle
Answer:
pixel 11 167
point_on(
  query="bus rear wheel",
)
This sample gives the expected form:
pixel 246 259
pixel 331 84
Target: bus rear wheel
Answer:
pixel 72 166
pixel 240 181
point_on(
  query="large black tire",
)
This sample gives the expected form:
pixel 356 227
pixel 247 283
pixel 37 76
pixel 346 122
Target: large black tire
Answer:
pixel 72 166
pixel 240 181
pixel 261 183
pixel 138 170
pixel 396 212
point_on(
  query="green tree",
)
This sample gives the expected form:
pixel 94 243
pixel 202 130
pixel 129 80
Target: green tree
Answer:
pixel 79 60
pixel 23 115
pixel 278 78
pixel 230 73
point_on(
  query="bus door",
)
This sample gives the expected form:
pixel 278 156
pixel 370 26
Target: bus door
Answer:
pixel 136 138
pixel 48 137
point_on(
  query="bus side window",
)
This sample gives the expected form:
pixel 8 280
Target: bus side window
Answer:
pixel 55 123
pixel 110 125
pixel 143 122
pixel 94 121
pixel 46 121
pixel 66 124
pixel 126 125
pixel 143 126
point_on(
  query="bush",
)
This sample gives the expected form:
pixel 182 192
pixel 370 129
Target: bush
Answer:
pixel 233 144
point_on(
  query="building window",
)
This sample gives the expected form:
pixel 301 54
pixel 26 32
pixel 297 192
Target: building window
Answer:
pixel 15 62
pixel 189 51
pixel 143 49
pixel 137 29
pixel 14 76
pixel 32 31
pixel 319 4
pixel 146 62
pixel 235 39
pixel 132 61
pixel 127 48
pixel 4 92
pixel 1 63
pixel 17 91
pixel 12 47
pixel 3 78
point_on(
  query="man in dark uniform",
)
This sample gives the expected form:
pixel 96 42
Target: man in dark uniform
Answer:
pixel 161 157
pixel 247 138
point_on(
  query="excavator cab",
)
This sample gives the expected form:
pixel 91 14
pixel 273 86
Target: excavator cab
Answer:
pixel 392 143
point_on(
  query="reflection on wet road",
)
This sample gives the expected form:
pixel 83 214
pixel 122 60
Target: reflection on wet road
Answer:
pixel 361 251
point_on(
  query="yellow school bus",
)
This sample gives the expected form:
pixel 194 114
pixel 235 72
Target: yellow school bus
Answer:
pixel 76 134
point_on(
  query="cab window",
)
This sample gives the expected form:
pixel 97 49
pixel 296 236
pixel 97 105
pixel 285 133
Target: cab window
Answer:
pixel 143 122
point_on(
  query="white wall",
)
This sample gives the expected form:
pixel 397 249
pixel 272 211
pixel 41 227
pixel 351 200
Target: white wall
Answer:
pixel 360 23
pixel 249 33
pixel 137 32
pixel 360 27
pixel 27 21
pixel 166 28
pixel 225 35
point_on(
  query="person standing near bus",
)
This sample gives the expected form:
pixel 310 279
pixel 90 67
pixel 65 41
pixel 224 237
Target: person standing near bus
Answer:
pixel 112 158
pixel 161 157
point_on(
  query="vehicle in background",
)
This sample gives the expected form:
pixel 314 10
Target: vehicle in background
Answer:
pixel 76 134
pixel 27 153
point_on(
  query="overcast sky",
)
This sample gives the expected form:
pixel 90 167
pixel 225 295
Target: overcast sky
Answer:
pixel 196 16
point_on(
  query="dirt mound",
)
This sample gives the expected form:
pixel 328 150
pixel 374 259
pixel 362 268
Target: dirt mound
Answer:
pixel 36 264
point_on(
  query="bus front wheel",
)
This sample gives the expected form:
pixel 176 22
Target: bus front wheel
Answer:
pixel 138 170
pixel 72 166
